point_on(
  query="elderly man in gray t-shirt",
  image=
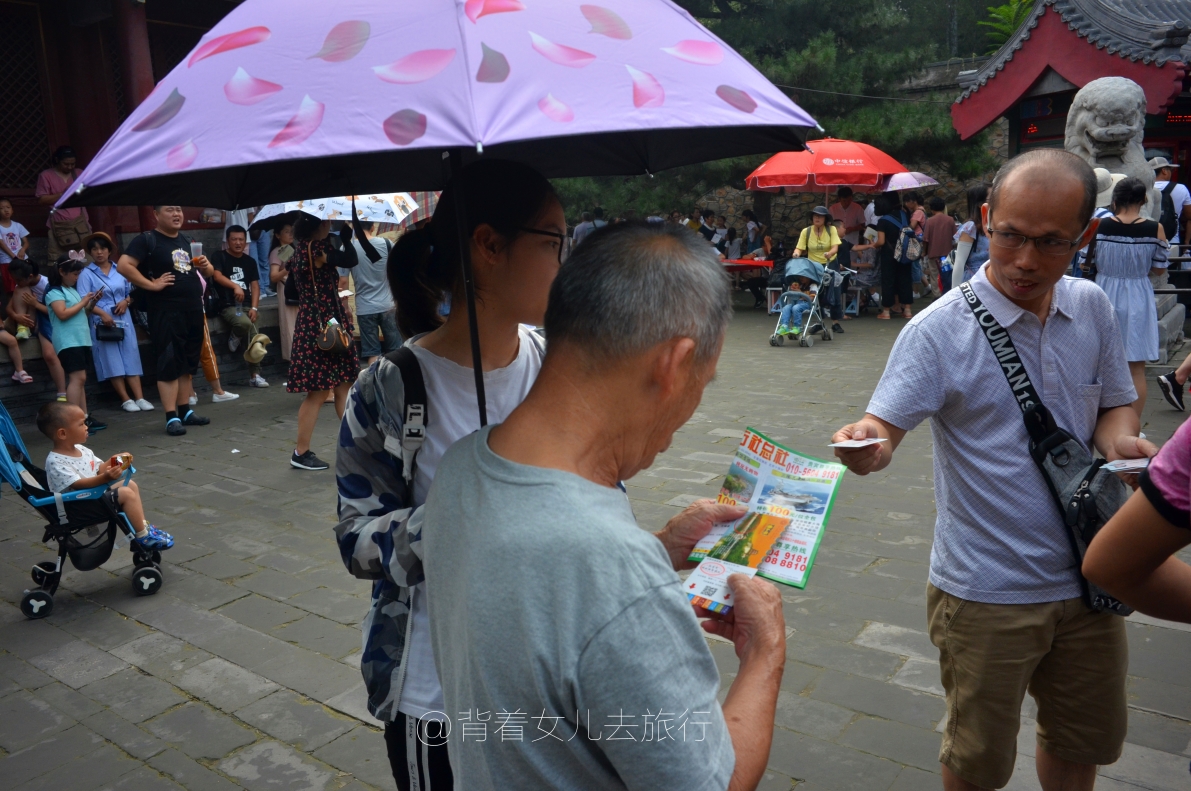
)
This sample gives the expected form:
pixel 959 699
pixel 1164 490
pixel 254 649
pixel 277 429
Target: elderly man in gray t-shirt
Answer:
pixel 569 655
pixel 1004 601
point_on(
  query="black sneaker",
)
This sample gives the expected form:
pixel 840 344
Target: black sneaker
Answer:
pixel 94 425
pixel 1172 391
pixel 836 327
pixel 191 419
pixel 175 428
pixel 307 461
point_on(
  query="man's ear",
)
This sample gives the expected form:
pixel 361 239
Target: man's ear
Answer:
pixel 1089 234
pixel 671 365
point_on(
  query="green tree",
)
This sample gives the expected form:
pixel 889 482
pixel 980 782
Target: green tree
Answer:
pixel 1004 21
pixel 830 56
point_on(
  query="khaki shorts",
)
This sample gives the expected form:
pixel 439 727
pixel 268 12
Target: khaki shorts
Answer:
pixel 1072 660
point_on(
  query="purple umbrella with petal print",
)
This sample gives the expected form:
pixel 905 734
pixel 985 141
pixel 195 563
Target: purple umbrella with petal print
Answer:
pixel 372 96
pixel 376 91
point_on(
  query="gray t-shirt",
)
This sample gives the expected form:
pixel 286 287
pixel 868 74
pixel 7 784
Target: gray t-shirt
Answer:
pixel 562 636
pixel 373 294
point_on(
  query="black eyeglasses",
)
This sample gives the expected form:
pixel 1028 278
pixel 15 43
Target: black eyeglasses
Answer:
pixel 564 247
pixel 1045 244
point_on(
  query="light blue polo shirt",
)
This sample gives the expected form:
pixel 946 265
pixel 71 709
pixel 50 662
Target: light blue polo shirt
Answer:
pixel 999 537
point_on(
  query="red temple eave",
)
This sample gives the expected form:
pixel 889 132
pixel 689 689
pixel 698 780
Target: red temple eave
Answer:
pixel 1052 44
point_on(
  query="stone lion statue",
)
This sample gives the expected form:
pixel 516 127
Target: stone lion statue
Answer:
pixel 1105 126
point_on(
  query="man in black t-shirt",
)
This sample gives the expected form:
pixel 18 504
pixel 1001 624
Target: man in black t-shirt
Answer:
pixel 238 281
pixel 159 262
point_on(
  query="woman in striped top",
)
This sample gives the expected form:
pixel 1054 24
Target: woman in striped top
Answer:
pixel 1128 249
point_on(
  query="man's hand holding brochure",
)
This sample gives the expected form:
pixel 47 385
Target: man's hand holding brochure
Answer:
pixel 788 498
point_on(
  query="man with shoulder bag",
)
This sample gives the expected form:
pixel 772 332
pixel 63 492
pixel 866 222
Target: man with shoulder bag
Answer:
pixel 1018 489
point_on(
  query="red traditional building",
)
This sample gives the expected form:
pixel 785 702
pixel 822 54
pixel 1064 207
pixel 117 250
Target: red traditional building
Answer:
pixel 71 71
pixel 1066 44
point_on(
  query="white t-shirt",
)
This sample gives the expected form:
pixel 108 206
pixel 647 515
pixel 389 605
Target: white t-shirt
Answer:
pixel 62 471
pixel 1181 197
pixel 750 230
pixel 452 415
pixel 582 230
pixel 11 237
pixel 733 250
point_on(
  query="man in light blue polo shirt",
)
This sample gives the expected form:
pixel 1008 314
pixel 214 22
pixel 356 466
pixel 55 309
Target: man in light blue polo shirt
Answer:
pixel 1004 601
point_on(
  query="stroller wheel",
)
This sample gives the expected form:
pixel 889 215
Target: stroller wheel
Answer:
pixel 828 335
pixel 806 339
pixel 37 604
pixel 773 340
pixel 42 571
pixel 146 581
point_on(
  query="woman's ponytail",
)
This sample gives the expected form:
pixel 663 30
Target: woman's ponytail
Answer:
pixel 419 282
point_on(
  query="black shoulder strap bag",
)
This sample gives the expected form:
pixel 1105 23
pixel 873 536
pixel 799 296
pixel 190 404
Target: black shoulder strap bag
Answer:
pixel 1087 495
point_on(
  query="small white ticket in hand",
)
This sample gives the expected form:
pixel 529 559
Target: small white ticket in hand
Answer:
pixel 1127 465
pixel 857 443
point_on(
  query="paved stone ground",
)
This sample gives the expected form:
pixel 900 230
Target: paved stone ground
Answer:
pixel 243 671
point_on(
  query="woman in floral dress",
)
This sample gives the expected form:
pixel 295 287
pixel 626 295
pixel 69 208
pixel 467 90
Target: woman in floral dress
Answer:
pixel 312 268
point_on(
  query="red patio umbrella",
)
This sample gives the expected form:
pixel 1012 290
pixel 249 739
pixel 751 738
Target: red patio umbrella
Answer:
pixel 825 163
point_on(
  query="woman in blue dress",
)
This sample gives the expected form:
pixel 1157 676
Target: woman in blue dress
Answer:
pixel 119 362
pixel 1128 249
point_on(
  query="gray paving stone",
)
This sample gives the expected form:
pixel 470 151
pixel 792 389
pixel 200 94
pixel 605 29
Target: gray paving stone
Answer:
pixel 244 646
pixel 772 781
pixel 920 675
pixel 898 640
pixel 84 773
pixel 1159 732
pixel 296 720
pixel 321 635
pixel 258 612
pixel 333 604
pixel 841 656
pixel 1169 699
pixel 311 674
pixel 879 699
pixel 105 629
pixel 810 716
pixel 362 753
pixel 28 639
pixel 42 757
pixel 125 735
pixel 221 567
pixel 274 584
pixel 134 695
pixel 161 655
pixel 190 774
pixel 285 562
pixel 203 591
pixel 184 621
pixel 19 673
pixel 1146 768
pixel 224 685
pixel 271 765
pixel 67 701
pixel 77 664
pixel 184 549
pixel 199 731
pixel 141 779
pixel 896 741
pixel 26 720
pixel 829 765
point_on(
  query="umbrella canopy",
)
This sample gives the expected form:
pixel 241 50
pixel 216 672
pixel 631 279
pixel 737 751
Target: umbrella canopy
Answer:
pixel 386 207
pixel 907 181
pixel 825 163
pixel 366 95
pixel 805 267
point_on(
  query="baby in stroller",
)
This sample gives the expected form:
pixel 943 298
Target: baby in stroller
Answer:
pixel 794 304
pixel 72 465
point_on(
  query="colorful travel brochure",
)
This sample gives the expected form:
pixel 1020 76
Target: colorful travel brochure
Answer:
pixel 789 498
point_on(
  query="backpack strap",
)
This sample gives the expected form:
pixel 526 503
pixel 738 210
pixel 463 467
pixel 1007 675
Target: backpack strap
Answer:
pixel 1169 188
pixel 413 426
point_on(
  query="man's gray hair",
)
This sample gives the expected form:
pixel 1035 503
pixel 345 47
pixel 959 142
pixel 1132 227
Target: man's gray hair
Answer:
pixel 631 286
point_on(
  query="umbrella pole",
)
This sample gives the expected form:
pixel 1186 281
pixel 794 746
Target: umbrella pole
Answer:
pixel 454 164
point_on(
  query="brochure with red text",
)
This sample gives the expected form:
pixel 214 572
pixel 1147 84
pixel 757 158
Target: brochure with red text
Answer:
pixel 789 498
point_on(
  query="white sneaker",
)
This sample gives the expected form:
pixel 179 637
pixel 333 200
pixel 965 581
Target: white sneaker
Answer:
pixel 258 381
pixel 233 343
pixel 219 398
pixel 130 406
pixel 144 405
pixel 192 400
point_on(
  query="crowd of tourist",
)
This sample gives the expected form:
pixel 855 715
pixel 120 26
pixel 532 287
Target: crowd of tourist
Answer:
pixel 636 315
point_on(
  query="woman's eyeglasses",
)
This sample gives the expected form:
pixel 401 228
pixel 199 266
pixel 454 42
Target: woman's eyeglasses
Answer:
pixel 564 244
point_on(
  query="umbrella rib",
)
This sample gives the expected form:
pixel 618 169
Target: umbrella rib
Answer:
pixel 471 99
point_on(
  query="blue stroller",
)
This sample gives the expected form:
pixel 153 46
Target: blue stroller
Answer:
pixel 83 522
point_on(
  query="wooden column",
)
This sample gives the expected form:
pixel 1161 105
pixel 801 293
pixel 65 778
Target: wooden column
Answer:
pixel 136 67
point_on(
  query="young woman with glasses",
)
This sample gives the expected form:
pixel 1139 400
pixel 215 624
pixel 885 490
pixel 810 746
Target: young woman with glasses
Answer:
pixel 516 231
